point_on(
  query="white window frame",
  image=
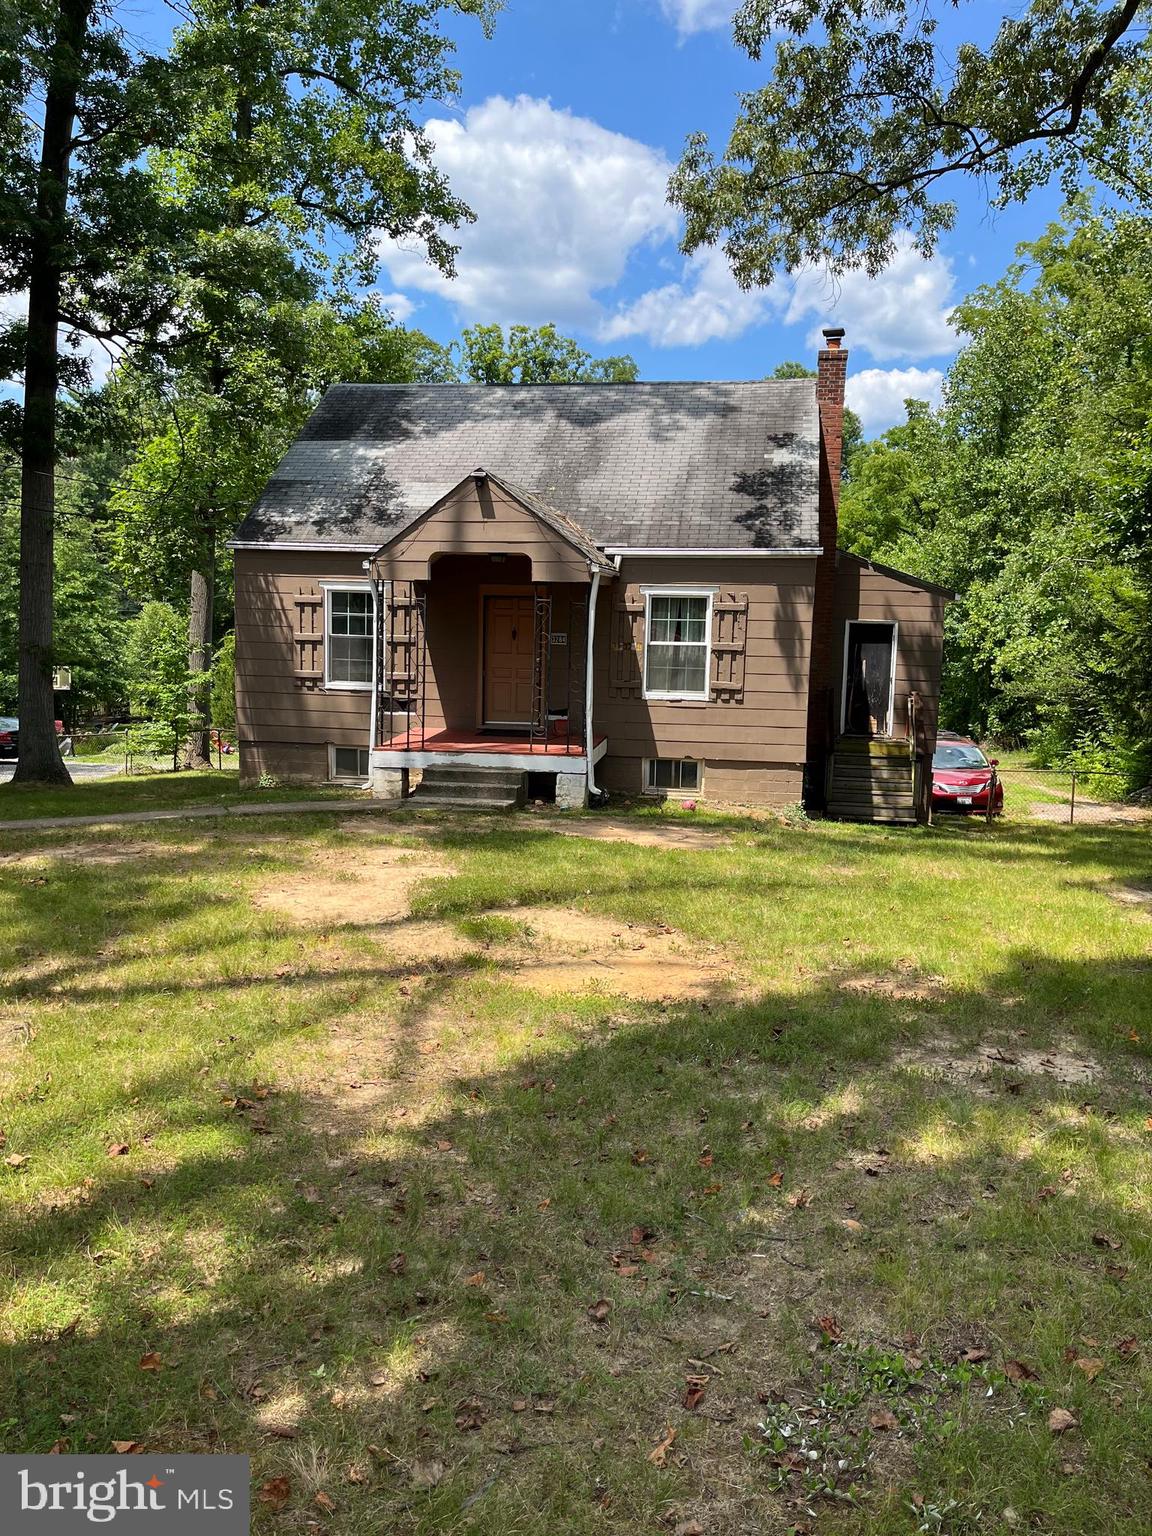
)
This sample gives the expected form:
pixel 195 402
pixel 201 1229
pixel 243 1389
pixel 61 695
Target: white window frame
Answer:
pixel 334 685
pixel 657 789
pixel 347 778
pixel 709 593
pixel 894 625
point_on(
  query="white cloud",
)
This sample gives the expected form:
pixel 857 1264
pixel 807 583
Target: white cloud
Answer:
pixel 903 313
pixel 698 15
pixel 877 395
pixel 707 304
pixel 560 201
pixel 399 306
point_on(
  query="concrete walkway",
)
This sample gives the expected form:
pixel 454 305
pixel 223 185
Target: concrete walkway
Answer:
pixel 183 813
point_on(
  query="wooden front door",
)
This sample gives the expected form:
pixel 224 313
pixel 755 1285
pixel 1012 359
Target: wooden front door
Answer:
pixel 508 660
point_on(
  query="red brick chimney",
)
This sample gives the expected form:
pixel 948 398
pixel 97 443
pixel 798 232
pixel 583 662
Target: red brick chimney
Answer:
pixel 831 369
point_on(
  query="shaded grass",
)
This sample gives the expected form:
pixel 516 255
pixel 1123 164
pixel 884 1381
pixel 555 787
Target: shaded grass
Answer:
pixel 149 792
pixel 369 1203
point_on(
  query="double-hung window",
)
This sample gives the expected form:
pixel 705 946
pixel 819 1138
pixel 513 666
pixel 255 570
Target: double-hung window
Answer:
pixel 348 637
pixel 677 645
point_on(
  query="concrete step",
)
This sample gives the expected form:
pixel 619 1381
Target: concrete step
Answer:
pixel 460 786
pixel 478 802
pixel 446 774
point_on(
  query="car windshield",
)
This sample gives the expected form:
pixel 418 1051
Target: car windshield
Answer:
pixel 8 723
pixel 954 754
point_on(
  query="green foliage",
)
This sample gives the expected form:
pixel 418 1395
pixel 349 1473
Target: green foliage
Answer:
pixel 867 116
pixel 1030 494
pixel 539 355
pixel 224 684
pixel 156 663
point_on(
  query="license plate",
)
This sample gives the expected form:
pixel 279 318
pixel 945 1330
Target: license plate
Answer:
pixel 963 799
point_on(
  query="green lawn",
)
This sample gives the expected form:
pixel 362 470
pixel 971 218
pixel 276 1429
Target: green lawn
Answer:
pixel 450 1244
pixel 148 792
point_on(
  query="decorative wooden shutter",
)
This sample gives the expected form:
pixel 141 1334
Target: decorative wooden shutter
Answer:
pixel 308 638
pixel 626 679
pixel 729 646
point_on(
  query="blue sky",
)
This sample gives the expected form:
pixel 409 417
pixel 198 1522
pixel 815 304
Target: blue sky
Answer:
pixel 569 120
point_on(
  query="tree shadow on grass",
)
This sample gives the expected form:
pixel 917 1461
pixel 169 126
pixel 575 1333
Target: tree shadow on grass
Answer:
pixel 408 1280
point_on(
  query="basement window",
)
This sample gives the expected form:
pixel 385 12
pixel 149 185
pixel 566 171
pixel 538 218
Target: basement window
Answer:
pixel 350 763
pixel 664 775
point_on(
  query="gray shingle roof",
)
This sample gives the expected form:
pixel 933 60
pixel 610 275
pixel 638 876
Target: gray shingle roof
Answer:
pixel 675 466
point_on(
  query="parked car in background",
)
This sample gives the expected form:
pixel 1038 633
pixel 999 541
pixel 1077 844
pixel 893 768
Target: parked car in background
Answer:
pixel 10 735
pixel 962 777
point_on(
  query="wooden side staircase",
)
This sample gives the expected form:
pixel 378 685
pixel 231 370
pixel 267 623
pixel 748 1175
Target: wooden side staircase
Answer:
pixel 873 780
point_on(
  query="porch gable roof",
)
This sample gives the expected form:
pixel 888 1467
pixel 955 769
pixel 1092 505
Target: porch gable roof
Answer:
pixel 574 538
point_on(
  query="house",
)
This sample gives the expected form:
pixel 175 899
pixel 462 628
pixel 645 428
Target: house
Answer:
pixel 573 589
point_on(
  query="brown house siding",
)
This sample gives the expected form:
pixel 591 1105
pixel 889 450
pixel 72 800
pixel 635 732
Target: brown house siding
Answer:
pixel 285 717
pixel 750 735
pixel 872 596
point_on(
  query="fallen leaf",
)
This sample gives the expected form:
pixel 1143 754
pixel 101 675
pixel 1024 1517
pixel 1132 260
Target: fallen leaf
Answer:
pixel 469 1415
pixel 775 1180
pixel 544 1405
pixel 1016 1370
pixel 1116 1271
pixel 1090 1367
pixel 479 1278
pixel 705 1158
pixel 443 1146
pixel 520 1405
pixel 599 1310
pixel 1127 1347
pixel 428 1047
pixel 829 1327
pixel 354 1474
pixel 59 1448
pixel 1102 1240
pixel 798 1199
pixel 851 1226
pixel 1060 1420
pixel 16 1159
pixel 152 1361
pixel 127 1447
pixel 1049 1192
pixel 398 1264
pixel 282 1431
pixel 974 1356
pixel 640 1156
pixel 275 1492
pixel 117 1149
pixel 658 1455
pixel 68 1329
pixel 324 1502
pixel 380 1379
pixel 884 1418
pixel 689 1528
pixel 694 1391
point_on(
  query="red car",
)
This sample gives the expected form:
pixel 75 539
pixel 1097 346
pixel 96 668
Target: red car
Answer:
pixel 962 777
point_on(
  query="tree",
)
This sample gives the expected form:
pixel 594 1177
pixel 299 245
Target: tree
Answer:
pixel 1029 493
pixel 307 134
pixel 536 355
pixel 78 106
pixel 867 119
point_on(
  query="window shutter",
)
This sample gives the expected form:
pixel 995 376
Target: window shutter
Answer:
pixel 626 680
pixel 729 645
pixel 308 638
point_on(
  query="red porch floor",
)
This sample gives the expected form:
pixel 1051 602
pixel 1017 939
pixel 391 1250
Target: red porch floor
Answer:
pixel 475 741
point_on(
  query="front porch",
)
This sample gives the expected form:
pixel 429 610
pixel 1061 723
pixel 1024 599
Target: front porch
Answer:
pixel 485 624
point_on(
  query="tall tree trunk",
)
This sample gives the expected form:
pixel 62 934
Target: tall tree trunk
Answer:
pixel 40 761
pixel 198 748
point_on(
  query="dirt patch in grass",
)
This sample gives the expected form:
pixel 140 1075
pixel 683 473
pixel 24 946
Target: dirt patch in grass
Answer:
pixel 98 853
pixel 360 892
pixel 900 987
pixel 1061 1064
pixel 1139 896
pixel 645 834
pixel 1088 812
pixel 572 951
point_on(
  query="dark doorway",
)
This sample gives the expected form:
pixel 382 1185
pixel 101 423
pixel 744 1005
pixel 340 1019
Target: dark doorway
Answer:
pixel 869 675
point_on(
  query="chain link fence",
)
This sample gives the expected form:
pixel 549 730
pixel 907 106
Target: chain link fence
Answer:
pixel 1064 796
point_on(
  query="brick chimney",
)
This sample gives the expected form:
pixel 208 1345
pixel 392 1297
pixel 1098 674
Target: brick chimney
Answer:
pixel 831 369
